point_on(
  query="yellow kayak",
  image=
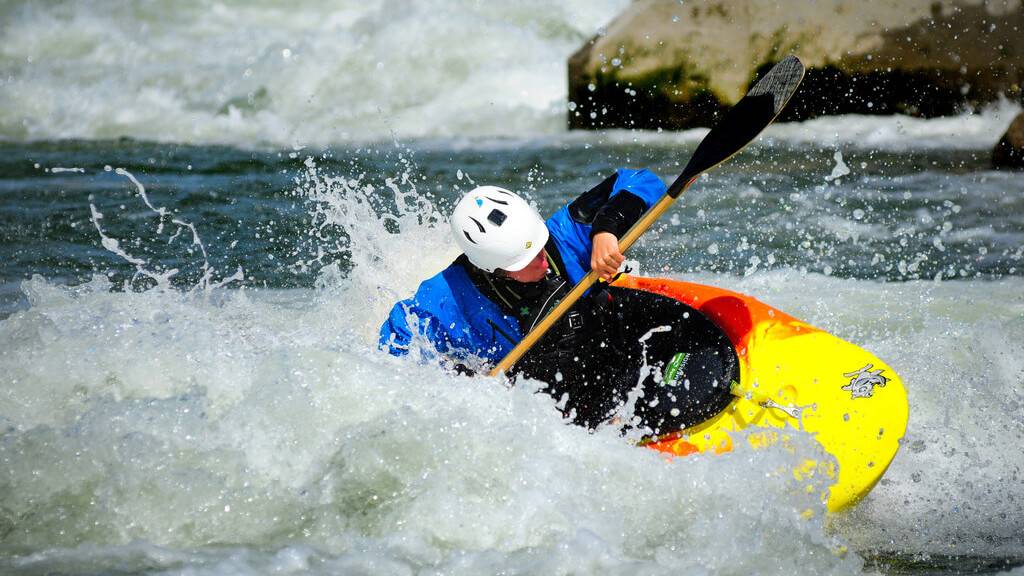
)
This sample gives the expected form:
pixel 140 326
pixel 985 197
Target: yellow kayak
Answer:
pixel 794 376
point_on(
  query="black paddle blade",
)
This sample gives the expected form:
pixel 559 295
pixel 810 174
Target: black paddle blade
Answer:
pixel 744 121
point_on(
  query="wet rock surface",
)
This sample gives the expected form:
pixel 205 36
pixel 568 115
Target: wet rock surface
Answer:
pixel 1009 152
pixel 662 64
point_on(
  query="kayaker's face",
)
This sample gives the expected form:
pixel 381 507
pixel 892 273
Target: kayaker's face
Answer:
pixel 534 271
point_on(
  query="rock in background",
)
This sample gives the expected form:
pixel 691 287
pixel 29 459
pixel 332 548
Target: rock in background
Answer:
pixel 677 64
pixel 1009 152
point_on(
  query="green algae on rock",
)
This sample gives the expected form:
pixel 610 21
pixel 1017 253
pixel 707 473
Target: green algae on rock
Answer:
pixel 1009 152
pixel 669 65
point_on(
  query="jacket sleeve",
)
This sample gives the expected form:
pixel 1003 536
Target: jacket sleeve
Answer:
pixel 618 214
pixel 632 194
pixel 612 206
pixel 396 335
pixel 617 202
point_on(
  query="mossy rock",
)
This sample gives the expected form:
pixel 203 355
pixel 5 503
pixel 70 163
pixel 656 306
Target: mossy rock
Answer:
pixel 1009 152
pixel 662 64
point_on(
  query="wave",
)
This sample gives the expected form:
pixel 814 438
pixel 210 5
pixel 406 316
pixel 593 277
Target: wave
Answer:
pixel 259 431
pixel 267 421
pixel 323 73
pixel 234 72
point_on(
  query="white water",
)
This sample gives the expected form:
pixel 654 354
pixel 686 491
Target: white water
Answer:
pixel 979 129
pixel 312 72
pixel 957 486
pixel 257 421
pixel 260 432
pixel 265 421
pixel 320 73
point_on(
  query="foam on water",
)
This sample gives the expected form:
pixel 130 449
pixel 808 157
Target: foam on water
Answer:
pixel 207 71
pixel 216 430
pixel 253 432
pixel 956 487
pixel 393 236
pixel 973 129
pixel 321 73
pixel 256 421
pixel 970 130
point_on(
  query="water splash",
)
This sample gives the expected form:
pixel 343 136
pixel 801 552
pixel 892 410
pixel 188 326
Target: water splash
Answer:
pixel 839 170
pixel 161 277
pixel 389 234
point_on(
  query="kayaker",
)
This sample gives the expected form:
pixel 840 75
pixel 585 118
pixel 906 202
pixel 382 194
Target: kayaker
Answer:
pixel 515 267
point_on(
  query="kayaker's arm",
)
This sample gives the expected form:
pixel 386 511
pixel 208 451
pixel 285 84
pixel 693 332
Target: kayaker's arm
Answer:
pixel 610 223
pixel 618 214
pixel 611 207
pixel 396 335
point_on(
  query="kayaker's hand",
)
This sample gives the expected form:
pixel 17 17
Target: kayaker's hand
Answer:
pixel 605 257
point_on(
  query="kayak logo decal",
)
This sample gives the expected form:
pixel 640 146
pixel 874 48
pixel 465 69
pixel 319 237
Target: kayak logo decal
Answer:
pixel 862 382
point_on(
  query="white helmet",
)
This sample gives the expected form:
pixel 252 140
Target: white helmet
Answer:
pixel 497 229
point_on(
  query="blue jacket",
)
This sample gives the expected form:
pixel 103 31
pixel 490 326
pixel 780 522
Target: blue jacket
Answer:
pixel 460 322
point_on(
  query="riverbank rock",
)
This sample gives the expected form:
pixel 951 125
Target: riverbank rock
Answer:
pixel 1009 152
pixel 670 64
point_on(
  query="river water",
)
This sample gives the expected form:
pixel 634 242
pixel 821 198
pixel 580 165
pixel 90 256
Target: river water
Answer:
pixel 207 211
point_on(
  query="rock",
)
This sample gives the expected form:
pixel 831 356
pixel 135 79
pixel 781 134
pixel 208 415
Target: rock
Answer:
pixel 1009 152
pixel 669 64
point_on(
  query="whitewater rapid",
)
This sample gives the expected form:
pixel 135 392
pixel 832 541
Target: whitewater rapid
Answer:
pixel 309 73
pixel 322 73
pixel 261 431
pixel 230 413
pixel 262 420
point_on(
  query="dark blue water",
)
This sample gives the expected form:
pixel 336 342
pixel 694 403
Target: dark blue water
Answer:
pixel 932 213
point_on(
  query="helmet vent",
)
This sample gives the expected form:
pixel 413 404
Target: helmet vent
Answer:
pixel 478 224
pixel 468 237
pixel 495 200
pixel 497 216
